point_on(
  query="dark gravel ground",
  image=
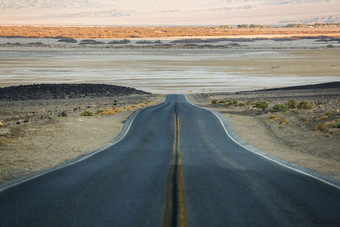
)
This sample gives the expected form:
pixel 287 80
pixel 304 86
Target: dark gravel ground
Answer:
pixel 64 91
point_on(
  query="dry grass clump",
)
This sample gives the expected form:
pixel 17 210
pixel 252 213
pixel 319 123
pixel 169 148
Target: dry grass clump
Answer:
pixel 274 118
pixel 329 123
pixel 284 121
pixel 1 124
pixel 323 117
pixel 242 103
pixel 110 111
pixel 115 110
pixel 320 127
pixel 99 111
pixel 87 113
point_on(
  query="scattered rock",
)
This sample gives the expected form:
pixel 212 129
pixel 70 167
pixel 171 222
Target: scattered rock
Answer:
pixel 58 91
pixel 64 113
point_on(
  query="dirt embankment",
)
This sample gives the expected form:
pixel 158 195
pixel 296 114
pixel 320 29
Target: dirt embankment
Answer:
pixel 36 134
pixel 300 124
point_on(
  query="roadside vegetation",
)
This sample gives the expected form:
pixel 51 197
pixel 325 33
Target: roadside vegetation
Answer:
pixel 314 116
pixel 115 110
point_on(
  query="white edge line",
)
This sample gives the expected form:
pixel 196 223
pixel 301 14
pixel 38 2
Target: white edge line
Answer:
pixel 72 163
pixel 264 156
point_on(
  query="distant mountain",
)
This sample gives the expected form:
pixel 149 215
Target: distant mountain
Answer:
pixel 167 12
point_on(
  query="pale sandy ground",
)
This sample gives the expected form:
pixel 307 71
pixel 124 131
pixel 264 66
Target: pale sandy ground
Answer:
pixel 298 140
pixel 29 147
pixel 172 71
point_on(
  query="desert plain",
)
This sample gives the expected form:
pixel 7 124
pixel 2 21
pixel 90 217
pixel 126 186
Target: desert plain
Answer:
pixel 44 131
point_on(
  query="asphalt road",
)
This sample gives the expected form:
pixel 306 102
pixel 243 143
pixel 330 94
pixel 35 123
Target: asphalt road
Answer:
pixel 175 167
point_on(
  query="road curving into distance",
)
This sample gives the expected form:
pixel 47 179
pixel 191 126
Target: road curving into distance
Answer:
pixel 176 166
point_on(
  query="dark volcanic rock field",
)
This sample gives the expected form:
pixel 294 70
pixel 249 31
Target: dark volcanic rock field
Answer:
pixel 62 91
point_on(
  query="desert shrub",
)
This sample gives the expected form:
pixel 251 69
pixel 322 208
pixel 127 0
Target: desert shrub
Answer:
pixel 99 111
pixel 336 124
pixel 214 101
pixel 241 104
pixel 261 105
pixel 87 113
pixel 291 103
pixel 304 105
pixel 280 107
pixel 231 102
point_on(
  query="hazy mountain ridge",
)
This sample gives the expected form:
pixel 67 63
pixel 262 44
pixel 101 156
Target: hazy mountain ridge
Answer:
pixel 328 19
pixel 59 4
pixel 172 12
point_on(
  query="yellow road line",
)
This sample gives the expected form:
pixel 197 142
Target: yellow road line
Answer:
pixel 181 217
pixel 174 213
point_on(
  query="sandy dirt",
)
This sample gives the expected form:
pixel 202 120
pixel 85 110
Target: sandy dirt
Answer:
pixel 172 71
pixel 303 137
pixel 35 135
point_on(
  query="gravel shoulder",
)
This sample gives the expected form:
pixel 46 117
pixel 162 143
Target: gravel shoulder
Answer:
pixel 42 133
pixel 306 137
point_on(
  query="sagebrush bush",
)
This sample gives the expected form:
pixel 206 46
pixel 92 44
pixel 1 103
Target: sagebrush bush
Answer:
pixel 336 124
pixel 291 103
pixel 241 104
pixel 87 113
pixel 231 102
pixel 214 101
pixel 261 105
pixel 280 107
pixel 304 105
pixel 99 111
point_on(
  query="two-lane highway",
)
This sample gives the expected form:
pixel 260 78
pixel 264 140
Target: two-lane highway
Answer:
pixel 176 166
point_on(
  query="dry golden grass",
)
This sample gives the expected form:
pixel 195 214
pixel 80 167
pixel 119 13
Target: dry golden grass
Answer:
pixel 115 110
pixel 323 117
pixel 284 121
pixel 329 123
pixel 111 111
pixel 320 127
pixel 159 32
pixel 274 118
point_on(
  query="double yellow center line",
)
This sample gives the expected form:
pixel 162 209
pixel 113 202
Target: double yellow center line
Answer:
pixel 174 208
